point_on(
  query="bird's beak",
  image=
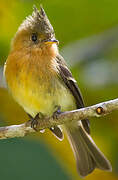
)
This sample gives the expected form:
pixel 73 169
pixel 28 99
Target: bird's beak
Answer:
pixel 51 41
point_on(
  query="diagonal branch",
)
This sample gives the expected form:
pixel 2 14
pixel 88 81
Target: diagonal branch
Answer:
pixel 97 110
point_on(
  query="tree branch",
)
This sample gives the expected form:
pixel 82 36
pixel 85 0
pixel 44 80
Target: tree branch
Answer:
pixel 97 110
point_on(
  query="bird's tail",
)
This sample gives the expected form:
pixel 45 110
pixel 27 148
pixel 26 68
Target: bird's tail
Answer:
pixel 88 156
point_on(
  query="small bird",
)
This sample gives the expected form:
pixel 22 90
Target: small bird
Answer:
pixel 40 81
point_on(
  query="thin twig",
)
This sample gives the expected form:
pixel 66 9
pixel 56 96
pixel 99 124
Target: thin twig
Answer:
pixel 97 110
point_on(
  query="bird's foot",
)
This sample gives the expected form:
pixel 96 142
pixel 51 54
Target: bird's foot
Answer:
pixel 57 112
pixel 34 121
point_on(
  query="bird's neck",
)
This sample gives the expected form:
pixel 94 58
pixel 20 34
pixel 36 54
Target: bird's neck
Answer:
pixel 46 52
pixel 44 57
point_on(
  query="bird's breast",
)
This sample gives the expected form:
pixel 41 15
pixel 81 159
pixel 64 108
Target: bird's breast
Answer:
pixel 36 86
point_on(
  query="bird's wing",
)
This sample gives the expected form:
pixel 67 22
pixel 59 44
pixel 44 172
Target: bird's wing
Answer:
pixel 70 82
pixel 57 131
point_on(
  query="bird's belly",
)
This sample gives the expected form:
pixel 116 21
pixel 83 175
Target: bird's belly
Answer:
pixel 37 97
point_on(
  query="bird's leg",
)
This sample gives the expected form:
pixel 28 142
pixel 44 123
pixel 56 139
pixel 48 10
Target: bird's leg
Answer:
pixel 57 112
pixel 56 130
pixel 34 121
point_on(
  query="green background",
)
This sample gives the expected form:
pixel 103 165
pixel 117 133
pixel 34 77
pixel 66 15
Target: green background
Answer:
pixel 88 35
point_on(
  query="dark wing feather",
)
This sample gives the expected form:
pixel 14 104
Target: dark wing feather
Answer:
pixel 56 130
pixel 70 82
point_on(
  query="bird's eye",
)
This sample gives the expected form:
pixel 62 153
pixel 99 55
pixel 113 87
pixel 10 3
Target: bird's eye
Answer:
pixel 34 37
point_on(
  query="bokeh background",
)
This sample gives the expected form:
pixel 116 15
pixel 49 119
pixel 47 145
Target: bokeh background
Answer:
pixel 88 35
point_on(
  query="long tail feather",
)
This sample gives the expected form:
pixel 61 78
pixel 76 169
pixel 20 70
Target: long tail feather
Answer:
pixel 88 156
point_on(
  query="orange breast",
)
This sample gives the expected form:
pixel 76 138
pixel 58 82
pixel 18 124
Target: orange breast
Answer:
pixel 30 79
pixel 34 83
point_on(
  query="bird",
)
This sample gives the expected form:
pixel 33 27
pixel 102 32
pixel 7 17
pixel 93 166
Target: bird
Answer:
pixel 40 81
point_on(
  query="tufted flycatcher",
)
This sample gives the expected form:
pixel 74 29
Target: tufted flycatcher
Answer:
pixel 40 81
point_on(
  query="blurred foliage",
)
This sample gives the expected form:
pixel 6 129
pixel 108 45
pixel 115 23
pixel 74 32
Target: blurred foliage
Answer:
pixel 88 35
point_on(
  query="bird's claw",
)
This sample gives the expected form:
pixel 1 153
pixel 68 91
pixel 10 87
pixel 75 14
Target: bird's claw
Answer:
pixel 34 121
pixel 57 112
